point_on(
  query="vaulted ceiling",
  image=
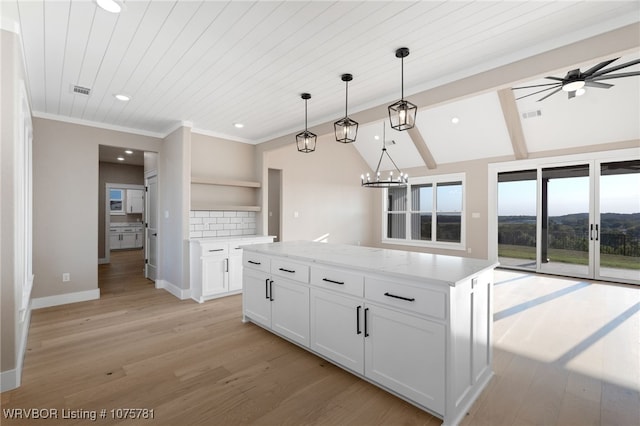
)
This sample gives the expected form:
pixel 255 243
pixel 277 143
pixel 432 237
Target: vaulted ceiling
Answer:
pixel 216 63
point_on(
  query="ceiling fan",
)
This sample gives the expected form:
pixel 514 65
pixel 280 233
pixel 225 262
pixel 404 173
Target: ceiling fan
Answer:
pixel 576 80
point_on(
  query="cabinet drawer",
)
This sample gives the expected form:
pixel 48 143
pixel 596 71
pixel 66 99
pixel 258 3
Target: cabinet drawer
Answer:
pixel 256 261
pixel 291 270
pixel 335 279
pixel 215 249
pixel 235 249
pixel 419 300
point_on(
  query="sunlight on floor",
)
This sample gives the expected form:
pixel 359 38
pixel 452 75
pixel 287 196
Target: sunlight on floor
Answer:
pixel 593 322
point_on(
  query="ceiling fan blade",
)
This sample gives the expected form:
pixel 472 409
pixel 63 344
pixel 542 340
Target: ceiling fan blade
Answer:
pixel 539 91
pixel 608 76
pixel 555 91
pixel 616 68
pixel 555 78
pixel 535 85
pixel 590 83
pixel 598 67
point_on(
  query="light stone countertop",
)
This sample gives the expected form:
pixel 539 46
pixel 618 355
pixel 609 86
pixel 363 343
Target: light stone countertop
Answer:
pixel 228 238
pixel 444 269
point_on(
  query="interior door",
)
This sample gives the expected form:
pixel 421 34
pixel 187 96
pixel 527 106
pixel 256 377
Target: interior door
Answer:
pixel 151 234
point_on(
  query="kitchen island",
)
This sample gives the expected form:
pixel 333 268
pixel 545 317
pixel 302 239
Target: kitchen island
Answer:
pixel 415 324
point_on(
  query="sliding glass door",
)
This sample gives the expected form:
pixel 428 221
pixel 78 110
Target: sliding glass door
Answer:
pixel 578 219
pixel 617 234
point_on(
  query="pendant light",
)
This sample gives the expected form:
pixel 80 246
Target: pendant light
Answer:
pixel 391 182
pixel 306 140
pixel 346 129
pixel 402 114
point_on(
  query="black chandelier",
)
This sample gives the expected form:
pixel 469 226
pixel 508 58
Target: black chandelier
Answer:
pixel 402 114
pixel 306 140
pixel 346 129
pixel 400 180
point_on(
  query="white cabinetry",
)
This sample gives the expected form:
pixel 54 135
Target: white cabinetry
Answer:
pixel 278 303
pixel 125 236
pixel 417 325
pixel 216 266
pixel 135 201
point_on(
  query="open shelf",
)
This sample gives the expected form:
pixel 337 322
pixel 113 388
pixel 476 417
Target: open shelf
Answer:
pixel 225 182
pixel 208 206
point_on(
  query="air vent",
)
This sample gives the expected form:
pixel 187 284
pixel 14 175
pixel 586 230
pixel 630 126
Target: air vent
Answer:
pixel 532 114
pixel 81 90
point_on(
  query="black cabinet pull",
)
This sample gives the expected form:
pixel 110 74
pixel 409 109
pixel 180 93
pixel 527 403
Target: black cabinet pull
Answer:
pixel 253 263
pixel 216 250
pixel 597 233
pixel 332 281
pixel 358 320
pixel 287 270
pixel 266 288
pixel 271 290
pixel 408 299
pixel 366 328
pixel 591 232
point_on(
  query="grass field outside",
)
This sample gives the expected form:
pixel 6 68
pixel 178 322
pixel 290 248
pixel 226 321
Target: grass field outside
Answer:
pixel 569 256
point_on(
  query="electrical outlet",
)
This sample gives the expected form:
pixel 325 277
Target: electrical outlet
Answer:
pixel 66 277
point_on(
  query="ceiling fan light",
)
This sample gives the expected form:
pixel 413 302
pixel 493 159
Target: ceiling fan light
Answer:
pixel 110 5
pixel 581 91
pixel 573 86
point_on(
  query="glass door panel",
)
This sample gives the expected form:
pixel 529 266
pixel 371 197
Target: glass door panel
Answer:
pixel 565 221
pixel 517 219
pixel 618 232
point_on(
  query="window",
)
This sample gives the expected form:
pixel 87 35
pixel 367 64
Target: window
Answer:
pixel 429 211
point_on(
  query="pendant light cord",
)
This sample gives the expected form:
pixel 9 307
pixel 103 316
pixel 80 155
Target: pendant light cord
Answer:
pixel 346 99
pixel 402 78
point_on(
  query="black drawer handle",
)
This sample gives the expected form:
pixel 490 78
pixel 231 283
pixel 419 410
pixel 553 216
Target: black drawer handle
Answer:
pixel 366 328
pixel 332 281
pixel 287 270
pixel 266 289
pixel 271 290
pixel 358 331
pixel 408 299
pixel 216 250
pixel 254 263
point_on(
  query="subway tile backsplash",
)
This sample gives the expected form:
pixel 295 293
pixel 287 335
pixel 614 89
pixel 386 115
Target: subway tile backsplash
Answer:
pixel 221 223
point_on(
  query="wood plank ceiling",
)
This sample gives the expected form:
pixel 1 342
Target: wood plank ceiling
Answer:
pixel 216 63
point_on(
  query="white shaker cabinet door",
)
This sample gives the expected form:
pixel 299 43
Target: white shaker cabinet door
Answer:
pixel 406 354
pixel 235 272
pixel 213 275
pixel 337 328
pixel 290 310
pixel 255 297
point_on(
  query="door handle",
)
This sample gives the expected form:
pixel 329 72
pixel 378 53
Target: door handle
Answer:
pixel 226 265
pixel 366 327
pixel 597 233
pixel 155 234
pixel 358 331
pixel 271 290
pixel 591 232
pixel 266 288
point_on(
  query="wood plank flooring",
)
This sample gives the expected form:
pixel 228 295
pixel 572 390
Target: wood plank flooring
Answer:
pixel 566 352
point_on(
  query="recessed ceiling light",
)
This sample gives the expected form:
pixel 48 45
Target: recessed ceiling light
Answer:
pixel 110 5
pixel 128 151
pixel 122 97
pixel 376 137
pixel 238 125
pixel 120 158
pixel 455 120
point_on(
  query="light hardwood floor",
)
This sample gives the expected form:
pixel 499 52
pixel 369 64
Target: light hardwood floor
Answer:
pixel 566 352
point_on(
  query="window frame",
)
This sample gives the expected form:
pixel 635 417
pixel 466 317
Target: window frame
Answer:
pixel 433 180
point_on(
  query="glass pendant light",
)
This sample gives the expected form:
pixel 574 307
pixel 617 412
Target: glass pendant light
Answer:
pixel 346 129
pixel 402 114
pixel 400 180
pixel 306 140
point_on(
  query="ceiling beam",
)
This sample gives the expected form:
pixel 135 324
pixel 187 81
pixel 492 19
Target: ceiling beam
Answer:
pixel 514 125
pixel 613 42
pixel 422 148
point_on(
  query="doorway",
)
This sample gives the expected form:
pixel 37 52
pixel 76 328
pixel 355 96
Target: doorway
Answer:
pixel 578 219
pixel 274 203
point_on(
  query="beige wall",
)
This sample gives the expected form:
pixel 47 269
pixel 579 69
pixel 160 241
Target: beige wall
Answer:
pixel 115 173
pixel 323 187
pixel 173 201
pixel 11 78
pixel 65 207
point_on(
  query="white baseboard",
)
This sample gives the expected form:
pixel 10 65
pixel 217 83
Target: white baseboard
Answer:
pixel 178 292
pixel 63 299
pixel 102 260
pixel 11 379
